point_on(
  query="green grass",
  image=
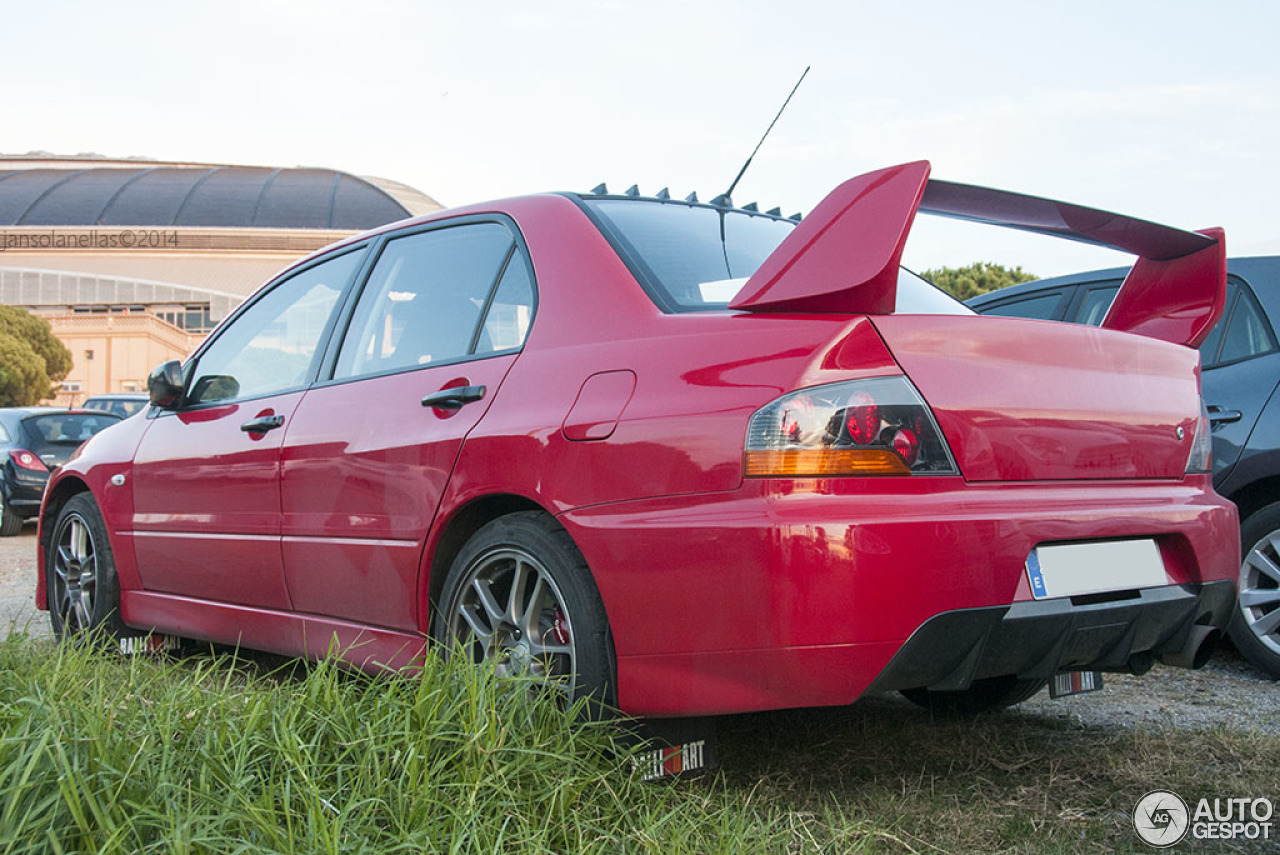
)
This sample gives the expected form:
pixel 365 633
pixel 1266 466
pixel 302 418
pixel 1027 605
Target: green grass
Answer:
pixel 102 754
pixel 216 753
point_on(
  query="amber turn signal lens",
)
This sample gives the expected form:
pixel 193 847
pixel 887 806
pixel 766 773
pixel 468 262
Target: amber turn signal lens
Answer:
pixel 819 462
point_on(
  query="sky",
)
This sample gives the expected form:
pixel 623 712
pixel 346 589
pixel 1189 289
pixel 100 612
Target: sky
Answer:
pixel 1168 110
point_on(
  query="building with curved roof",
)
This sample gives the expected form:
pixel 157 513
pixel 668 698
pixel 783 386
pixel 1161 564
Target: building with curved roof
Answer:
pixel 179 244
pixel 163 196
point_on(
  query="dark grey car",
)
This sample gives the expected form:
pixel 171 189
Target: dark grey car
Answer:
pixel 1241 371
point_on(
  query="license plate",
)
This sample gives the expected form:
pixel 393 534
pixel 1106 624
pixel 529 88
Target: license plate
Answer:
pixel 1074 683
pixel 1071 569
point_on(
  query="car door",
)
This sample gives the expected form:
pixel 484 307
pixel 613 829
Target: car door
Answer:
pixel 368 454
pixel 1240 367
pixel 206 486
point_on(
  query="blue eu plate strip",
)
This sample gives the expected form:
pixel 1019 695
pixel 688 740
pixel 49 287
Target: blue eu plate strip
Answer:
pixel 1035 576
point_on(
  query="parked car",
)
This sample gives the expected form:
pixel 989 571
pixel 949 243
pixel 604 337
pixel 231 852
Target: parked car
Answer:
pixel 1240 361
pixel 681 458
pixel 123 404
pixel 34 440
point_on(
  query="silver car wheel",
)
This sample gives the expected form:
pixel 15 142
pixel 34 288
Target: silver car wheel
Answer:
pixel 510 612
pixel 75 574
pixel 1260 591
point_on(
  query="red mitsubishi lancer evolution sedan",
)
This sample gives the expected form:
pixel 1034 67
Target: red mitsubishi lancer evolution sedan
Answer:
pixel 683 458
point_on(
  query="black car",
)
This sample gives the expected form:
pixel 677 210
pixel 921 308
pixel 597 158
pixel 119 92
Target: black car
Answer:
pixel 1241 373
pixel 34 441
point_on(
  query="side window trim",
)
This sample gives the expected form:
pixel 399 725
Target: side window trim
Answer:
pixel 190 369
pixel 342 317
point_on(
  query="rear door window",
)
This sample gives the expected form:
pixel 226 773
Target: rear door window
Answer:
pixel 1246 334
pixel 439 296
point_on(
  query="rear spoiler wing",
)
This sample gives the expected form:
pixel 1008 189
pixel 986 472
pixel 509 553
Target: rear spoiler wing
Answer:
pixel 844 256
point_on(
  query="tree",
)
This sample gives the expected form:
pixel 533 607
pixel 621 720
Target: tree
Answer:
pixel 977 278
pixel 32 360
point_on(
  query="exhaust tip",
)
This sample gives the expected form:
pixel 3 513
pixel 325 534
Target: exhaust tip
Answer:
pixel 1205 651
pixel 1197 650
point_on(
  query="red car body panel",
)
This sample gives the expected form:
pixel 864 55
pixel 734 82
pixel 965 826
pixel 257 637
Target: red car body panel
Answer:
pixel 994 400
pixel 358 499
pixel 207 494
pixel 627 424
pixel 1177 299
pixel 736 584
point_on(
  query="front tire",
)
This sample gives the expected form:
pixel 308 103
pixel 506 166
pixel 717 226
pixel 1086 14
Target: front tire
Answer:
pixel 80 572
pixel 992 693
pixel 520 597
pixel 1255 623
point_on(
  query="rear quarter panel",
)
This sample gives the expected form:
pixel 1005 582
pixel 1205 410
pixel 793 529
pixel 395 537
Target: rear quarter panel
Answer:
pixel 699 376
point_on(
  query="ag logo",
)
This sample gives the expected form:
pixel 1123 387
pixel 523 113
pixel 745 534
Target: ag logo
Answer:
pixel 1161 818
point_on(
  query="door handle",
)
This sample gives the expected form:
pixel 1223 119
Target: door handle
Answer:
pixel 1219 416
pixel 455 398
pixel 262 424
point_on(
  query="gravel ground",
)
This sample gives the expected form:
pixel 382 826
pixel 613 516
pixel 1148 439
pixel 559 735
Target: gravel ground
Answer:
pixel 1228 693
pixel 17 584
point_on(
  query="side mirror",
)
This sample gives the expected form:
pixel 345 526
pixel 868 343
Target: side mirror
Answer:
pixel 165 385
pixel 214 387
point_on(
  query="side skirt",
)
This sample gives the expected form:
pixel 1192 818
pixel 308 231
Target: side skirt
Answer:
pixel 310 636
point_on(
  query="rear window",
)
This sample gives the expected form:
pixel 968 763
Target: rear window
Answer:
pixel 689 257
pixel 64 430
pixel 696 257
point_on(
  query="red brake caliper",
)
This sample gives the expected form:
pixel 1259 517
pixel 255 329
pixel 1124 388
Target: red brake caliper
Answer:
pixel 559 627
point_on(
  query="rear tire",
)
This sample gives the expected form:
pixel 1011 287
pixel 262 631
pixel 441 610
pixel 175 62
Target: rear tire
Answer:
pixel 10 523
pixel 80 572
pixel 992 693
pixel 1255 622
pixel 520 597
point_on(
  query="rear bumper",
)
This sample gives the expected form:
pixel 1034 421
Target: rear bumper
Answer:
pixel 804 593
pixel 24 495
pixel 1035 640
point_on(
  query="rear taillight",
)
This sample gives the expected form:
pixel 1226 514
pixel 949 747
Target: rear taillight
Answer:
pixel 879 426
pixel 27 460
pixel 1200 458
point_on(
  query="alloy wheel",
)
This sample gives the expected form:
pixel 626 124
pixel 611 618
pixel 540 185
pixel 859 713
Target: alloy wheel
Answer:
pixel 510 612
pixel 1260 591
pixel 75 574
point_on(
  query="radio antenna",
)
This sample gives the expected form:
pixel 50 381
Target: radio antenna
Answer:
pixel 728 193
